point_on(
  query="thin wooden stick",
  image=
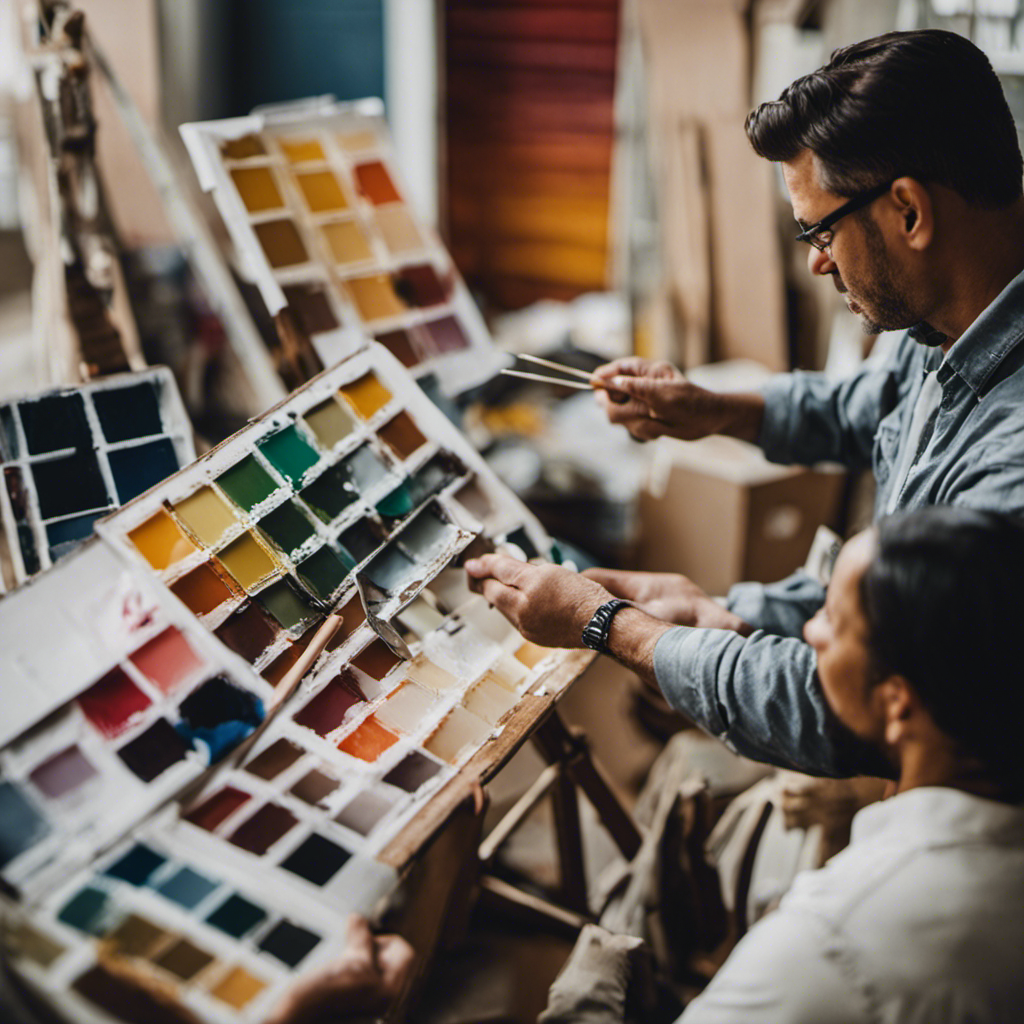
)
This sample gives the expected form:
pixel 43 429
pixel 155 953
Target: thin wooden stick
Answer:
pixel 291 678
pixel 575 385
pixel 582 374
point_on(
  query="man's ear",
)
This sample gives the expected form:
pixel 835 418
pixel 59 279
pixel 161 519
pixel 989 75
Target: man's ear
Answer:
pixel 914 212
pixel 899 706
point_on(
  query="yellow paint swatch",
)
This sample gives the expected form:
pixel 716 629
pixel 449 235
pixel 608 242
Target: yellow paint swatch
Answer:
pixel 301 151
pixel 247 561
pixel 456 735
pixel 489 699
pixel 207 515
pixel 257 188
pixel 322 191
pixel 347 242
pixel 160 541
pixel 531 654
pixel 399 229
pixel 355 142
pixel 375 297
pixel 430 676
pixel 238 988
pixel 366 395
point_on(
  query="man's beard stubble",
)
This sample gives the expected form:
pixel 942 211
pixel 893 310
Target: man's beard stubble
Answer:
pixel 883 295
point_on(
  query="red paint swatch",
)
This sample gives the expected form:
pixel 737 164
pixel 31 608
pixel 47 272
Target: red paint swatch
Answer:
pixel 210 813
pixel 369 741
pixel 167 660
pixel 327 710
pixel 375 183
pixel 113 702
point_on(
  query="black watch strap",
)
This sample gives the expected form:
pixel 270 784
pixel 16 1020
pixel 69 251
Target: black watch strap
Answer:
pixel 595 632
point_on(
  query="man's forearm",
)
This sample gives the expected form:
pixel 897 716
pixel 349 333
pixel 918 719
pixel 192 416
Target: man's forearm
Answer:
pixel 744 414
pixel 632 638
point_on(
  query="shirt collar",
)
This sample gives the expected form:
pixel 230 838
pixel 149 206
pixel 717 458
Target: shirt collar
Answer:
pixel 990 339
pixel 939 815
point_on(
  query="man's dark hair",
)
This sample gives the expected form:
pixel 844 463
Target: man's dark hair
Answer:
pixel 943 602
pixel 923 104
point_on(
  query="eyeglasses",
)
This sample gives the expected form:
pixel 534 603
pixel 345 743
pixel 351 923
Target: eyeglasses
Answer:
pixel 820 235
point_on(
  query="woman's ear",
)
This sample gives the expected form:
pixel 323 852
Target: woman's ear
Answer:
pixel 899 704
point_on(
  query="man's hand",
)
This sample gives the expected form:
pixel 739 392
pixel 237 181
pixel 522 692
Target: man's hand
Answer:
pixel 369 974
pixel 669 596
pixel 549 605
pixel 653 399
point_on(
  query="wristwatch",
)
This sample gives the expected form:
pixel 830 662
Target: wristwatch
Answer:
pixel 595 632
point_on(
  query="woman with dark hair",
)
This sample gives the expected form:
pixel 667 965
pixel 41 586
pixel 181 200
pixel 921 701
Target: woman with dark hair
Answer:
pixel 921 918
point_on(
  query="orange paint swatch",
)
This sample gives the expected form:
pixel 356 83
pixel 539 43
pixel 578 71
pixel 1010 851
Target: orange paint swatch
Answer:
pixel 369 741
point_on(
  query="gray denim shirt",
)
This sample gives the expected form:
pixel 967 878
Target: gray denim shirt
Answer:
pixel 760 694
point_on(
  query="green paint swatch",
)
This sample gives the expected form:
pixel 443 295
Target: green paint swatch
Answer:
pixel 286 527
pixel 329 494
pixel 396 504
pixel 324 572
pixel 289 453
pixel 247 483
pixel 284 603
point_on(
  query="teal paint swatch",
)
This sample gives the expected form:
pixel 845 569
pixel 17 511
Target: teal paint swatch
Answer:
pixel 247 483
pixel 289 453
pixel 235 916
pixel 86 911
pixel 329 494
pixel 396 504
pixel 286 527
pixel 285 604
pixel 324 572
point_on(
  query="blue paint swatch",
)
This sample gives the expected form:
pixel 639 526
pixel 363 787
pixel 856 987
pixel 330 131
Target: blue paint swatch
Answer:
pixel 187 888
pixel 236 916
pixel 136 866
pixel 21 825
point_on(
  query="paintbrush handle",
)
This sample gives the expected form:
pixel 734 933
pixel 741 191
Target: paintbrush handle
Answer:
pixel 321 639
pixel 571 370
pixel 575 385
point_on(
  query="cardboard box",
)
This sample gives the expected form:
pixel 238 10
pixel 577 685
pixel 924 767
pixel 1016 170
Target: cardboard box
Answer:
pixel 719 512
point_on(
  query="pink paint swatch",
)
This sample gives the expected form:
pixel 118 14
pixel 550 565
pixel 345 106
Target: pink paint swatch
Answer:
pixel 167 660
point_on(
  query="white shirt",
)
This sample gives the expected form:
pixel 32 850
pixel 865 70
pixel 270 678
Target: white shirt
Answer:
pixel 920 920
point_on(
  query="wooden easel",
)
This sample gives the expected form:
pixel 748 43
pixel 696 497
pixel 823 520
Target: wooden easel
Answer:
pixel 570 765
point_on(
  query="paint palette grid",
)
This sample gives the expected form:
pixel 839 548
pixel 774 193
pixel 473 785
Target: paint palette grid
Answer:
pixel 173 920
pixel 73 454
pixel 346 762
pixel 311 196
pixel 162 702
pixel 259 539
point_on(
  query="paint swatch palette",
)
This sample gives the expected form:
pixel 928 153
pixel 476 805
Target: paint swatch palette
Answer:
pixel 174 921
pixel 71 455
pixel 200 595
pixel 311 198
pixel 139 700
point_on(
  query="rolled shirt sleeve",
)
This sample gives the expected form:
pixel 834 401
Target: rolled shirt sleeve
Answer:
pixel 760 696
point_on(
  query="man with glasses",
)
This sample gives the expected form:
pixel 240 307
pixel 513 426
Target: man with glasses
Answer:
pixel 904 171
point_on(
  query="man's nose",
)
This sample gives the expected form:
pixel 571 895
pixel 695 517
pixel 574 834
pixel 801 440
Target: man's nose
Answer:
pixel 820 264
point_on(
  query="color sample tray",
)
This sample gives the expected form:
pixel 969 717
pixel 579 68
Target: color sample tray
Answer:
pixel 72 454
pixel 312 200
pixel 132 822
